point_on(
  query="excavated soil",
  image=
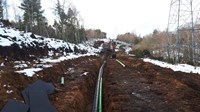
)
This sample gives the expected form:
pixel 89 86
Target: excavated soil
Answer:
pixel 137 87
pixel 76 95
pixel 144 87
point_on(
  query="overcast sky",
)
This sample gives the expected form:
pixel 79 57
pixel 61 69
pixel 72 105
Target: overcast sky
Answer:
pixel 119 16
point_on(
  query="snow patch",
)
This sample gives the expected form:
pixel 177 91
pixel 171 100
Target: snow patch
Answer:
pixel 22 62
pixel 63 58
pixel 9 91
pixel 30 71
pixel 42 65
pixel 128 49
pixel 50 53
pixel 5 42
pixel 179 67
pixel 84 74
pixel 20 66
pixel 2 64
pixel 70 70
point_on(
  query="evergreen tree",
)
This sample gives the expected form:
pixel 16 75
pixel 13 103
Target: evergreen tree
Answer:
pixel 67 24
pixel 33 14
pixel 82 34
pixel 61 20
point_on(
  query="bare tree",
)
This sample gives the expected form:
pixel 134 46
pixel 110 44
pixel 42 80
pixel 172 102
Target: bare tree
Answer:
pixel 5 7
pixel 1 10
pixel 15 11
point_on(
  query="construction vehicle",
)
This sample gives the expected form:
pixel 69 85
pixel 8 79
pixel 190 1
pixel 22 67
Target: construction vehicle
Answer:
pixel 109 49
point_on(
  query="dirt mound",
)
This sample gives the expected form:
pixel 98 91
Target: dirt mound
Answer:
pixel 31 51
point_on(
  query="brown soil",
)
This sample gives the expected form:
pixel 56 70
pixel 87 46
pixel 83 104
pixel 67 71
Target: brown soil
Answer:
pixel 138 87
pixel 144 87
pixel 75 96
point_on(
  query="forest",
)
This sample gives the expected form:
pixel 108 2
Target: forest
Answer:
pixel 66 25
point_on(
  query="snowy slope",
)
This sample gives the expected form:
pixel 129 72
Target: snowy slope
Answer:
pixel 11 36
pixel 18 42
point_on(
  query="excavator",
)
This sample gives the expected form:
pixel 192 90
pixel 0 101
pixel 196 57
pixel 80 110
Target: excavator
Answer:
pixel 109 49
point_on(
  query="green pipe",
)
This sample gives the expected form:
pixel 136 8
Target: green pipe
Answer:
pixel 100 96
pixel 62 81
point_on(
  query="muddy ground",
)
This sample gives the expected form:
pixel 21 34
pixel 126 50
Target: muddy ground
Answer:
pixel 138 87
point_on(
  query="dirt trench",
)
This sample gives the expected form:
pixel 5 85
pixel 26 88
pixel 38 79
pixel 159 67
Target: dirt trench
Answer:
pixel 144 87
pixel 78 92
pixel 76 95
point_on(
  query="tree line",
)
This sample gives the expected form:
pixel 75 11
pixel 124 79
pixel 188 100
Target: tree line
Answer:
pixel 128 37
pixel 66 25
pixel 162 44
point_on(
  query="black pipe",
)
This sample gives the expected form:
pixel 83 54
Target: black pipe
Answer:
pixel 96 96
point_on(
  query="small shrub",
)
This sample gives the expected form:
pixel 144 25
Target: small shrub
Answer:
pixel 142 53
pixel 158 58
pixel 146 53
pixel 170 60
pixel 190 63
pixel 6 23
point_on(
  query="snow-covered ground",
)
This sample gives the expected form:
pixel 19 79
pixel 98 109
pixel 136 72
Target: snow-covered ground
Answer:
pixel 43 62
pixel 30 71
pixel 178 67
